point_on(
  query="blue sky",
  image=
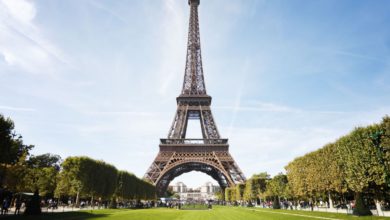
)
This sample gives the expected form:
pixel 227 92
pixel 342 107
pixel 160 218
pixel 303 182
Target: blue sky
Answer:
pixel 99 78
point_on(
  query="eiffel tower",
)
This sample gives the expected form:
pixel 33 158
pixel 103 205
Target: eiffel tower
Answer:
pixel 179 155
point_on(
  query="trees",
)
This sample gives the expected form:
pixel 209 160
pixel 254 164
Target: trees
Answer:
pixel 45 160
pixel 83 176
pixel 364 169
pixel 12 149
pixel 220 195
pixel 69 180
pixel 357 162
pixel 240 188
pixel 41 174
pixel 144 190
pixel 317 173
pixel 45 175
pixel 260 186
pixel 126 186
pixel 230 194
pixel 87 177
pixel 11 144
pixel 383 147
pixel 256 186
pixel 331 172
pixel 276 188
pixel 297 176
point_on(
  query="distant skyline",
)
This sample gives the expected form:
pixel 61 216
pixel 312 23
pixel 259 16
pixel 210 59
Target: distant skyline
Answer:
pixel 100 78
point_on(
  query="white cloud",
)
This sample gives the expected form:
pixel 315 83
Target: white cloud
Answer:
pixel 22 43
pixel 124 113
pixel 22 11
pixel 271 144
pixel 12 108
pixel 108 10
pixel 173 45
pixel 262 107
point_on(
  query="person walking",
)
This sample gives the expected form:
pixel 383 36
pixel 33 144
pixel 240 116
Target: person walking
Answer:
pixel 18 204
pixel 4 207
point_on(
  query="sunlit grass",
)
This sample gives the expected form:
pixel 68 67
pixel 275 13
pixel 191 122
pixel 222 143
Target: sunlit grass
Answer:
pixel 217 213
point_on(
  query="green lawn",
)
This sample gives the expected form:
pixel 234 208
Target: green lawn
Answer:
pixel 217 213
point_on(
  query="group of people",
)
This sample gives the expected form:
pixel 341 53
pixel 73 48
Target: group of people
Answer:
pixel 6 204
pixel 51 203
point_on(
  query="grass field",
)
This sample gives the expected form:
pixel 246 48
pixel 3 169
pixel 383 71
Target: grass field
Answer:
pixel 217 213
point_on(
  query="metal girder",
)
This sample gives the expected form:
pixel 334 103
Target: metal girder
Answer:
pixel 179 155
pixel 193 78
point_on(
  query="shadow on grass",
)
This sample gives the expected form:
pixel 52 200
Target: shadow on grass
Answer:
pixel 56 216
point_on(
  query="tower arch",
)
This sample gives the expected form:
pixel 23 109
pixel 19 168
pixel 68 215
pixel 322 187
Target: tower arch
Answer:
pixel 184 167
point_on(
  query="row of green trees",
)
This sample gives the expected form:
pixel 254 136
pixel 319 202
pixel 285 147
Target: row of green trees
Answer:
pixel 78 177
pixel 85 177
pixel 356 163
pixel 259 188
pixel 354 167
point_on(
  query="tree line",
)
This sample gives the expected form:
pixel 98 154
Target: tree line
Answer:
pixel 86 177
pixel 75 177
pixel 354 167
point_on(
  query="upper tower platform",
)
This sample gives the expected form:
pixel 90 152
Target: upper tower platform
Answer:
pixel 195 2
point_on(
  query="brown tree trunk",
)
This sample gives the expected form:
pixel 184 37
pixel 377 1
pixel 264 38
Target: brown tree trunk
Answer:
pixel 330 201
pixel 77 198
pixel 378 207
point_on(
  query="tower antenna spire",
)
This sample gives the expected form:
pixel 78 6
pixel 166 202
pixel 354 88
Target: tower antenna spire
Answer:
pixel 193 75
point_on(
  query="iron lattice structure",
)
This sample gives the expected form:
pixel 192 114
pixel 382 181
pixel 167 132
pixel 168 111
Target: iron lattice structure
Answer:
pixel 179 155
